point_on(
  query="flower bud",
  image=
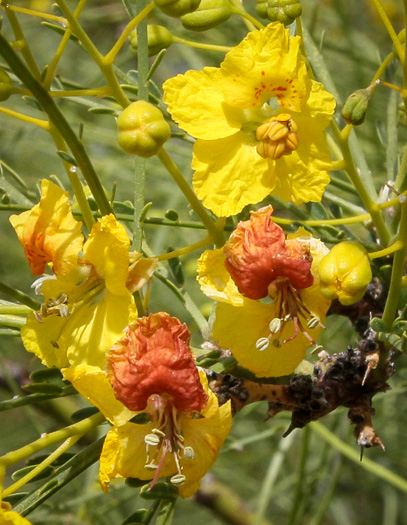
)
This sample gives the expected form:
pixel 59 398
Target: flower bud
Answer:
pixel 177 8
pixel 355 107
pixel 284 11
pixel 6 86
pixel 159 38
pixel 345 272
pixel 142 129
pixel 210 13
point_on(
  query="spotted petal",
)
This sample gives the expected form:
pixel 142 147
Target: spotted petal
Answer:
pixel 196 103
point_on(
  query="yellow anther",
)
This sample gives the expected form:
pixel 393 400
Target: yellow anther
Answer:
pixel 277 137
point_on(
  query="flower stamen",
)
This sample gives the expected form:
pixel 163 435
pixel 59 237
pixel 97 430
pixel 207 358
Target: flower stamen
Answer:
pixel 277 137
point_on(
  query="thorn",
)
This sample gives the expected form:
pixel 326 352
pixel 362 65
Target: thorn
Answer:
pixel 289 430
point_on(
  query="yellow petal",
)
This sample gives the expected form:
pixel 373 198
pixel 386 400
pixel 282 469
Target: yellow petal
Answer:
pixel 108 250
pixel 298 181
pixel 107 469
pixel 9 517
pixel 92 383
pixel 195 102
pixel 239 328
pixel 96 320
pixel 303 176
pixel 206 436
pixel 214 279
pixel 92 330
pixel 42 339
pixel 49 233
pixel 229 174
pixel 267 63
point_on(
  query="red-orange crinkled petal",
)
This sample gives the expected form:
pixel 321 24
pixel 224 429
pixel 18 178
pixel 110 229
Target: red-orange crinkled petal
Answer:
pixel 154 357
pixel 257 253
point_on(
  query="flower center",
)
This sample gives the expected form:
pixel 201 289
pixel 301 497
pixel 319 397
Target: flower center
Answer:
pixel 277 137
pixel 291 308
pixel 166 437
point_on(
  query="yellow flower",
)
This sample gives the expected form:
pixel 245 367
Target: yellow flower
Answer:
pixel 267 288
pixel 49 233
pixel 151 371
pixel 85 311
pixel 259 121
pixel 9 517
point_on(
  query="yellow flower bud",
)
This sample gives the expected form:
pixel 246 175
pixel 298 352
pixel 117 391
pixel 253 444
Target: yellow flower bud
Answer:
pixel 142 129
pixel 284 11
pixel 210 13
pixel 6 85
pixel 177 8
pixel 159 38
pixel 345 272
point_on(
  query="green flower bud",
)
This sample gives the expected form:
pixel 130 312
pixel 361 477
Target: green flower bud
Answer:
pixel 355 107
pixel 345 272
pixel 284 11
pixel 6 86
pixel 210 13
pixel 142 129
pixel 402 37
pixel 158 38
pixel 177 8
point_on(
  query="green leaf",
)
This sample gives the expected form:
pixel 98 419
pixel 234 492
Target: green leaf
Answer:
pixel 43 388
pixel 61 31
pixel 60 460
pixel 137 517
pixel 378 324
pixel 161 490
pixel 135 482
pixel 13 499
pixel 176 268
pixel 18 474
pixel 63 475
pixel 166 512
pixel 83 413
pixel 47 375
pixel 103 110
pixel 67 157
pixel 16 196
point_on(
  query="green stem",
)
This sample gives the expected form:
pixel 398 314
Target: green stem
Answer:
pixel 389 27
pixel 76 185
pixel 200 45
pixel 19 296
pixel 401 179
pixel 138 201
pixel 354 455
pixel 61 48
pixel 105 66
pixel 300 484
pixel 217 235
pixel 382 67
pixel 403 58
pixel 269 481
pixel 41 466
pixel 77 429
pixel 397 273
pixel 59 121
pixel 25 50
pixel 140 163
pixel 360 187
pixel 139 20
